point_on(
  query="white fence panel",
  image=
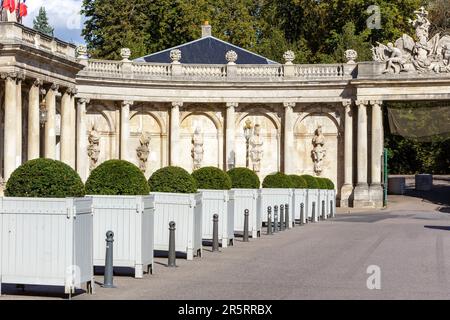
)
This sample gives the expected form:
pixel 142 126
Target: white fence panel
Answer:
pixel 216 202
pixel 131 219
pixel 276 197
pixel 240 200
pixel 299 198
pixel 186 211
pixel 46 242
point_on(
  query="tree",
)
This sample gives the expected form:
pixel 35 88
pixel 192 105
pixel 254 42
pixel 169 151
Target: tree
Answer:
pixel 440 16
pixel 40 23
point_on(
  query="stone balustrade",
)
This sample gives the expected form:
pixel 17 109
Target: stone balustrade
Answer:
pixel 274 72
pixel 12 32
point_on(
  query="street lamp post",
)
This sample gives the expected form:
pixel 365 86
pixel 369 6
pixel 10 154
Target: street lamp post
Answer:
pixel 248 133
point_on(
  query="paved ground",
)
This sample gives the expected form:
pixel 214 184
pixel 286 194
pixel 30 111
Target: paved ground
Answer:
pixel 410 242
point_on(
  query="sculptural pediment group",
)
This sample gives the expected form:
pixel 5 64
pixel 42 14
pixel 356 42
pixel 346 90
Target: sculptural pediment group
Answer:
pixel 422 55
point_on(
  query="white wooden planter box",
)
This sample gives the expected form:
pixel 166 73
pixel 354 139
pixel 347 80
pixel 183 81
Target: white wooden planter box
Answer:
pixel 131 220
pixel 216 202
pixel 299 198
pixel 323 199
pixel 240 200
pixel 186 211
pixel 46 242
pixel 276 197
pixel 312 196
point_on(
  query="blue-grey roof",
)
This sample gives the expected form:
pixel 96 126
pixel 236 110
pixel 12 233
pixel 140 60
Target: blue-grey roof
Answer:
pixel 207 50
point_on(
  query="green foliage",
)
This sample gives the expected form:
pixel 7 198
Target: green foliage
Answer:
pixel 243 178
pixel 40 22
pixel 117 177
pixel 44 178
pixel 298 181
pixel 278 181
pixel 172 180
pixel 311 181
pixel 330 184
pixel 211 178
pixel 322 183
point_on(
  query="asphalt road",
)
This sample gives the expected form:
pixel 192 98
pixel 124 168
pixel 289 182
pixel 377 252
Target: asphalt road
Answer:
pixel 410 243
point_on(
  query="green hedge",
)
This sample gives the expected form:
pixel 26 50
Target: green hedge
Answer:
pixel 330 184
pixel 117 177
pixel 278 181
pixel 172 180
pixel 298 181
pixel 44 178
pixel 243 178
pixel 311 181
pixel 322 183
pixel 211 178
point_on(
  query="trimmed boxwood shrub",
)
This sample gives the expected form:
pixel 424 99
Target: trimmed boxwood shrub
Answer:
pixel 298 181
pixel 211 178
pixel 311 181
pixel 44 178
pixel 330 184
pixel 243 178
pixel 172 180
pixel 278 181
pixel 117 177
pixel 322 183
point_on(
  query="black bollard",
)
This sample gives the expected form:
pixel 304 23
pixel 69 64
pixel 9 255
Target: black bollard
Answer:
pixel 324 217
pixel 269 220
pixel 282 227
pixel 215 244
pixel 109 266
pixel 286 211
pixel 302 213
pixel 314 211
pixel 331 209
pixel 246 236
pixel 275 219
pixel 172 253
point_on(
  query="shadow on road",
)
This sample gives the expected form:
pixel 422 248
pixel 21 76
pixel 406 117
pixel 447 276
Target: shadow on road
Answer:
pixel 440 195
pixel 438 228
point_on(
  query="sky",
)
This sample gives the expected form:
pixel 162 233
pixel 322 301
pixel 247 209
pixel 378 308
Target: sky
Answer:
pixel 64 16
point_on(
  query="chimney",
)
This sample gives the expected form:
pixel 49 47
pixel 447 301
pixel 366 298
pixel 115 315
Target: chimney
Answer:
pixel 206 30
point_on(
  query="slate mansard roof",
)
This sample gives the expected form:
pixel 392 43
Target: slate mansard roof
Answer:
pixel 206 50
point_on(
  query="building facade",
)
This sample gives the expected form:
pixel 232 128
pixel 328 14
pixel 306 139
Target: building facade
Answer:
pixel 323 120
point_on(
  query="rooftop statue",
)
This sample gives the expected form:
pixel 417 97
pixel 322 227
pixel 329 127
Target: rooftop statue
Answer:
pixel 422 55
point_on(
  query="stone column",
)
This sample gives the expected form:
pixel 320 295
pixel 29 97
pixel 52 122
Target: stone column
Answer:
pixel 231 135
pixel 289 149
pixel 73 129
pixel 50 125
pixel 175 133
pixel 125 129
pixel 376 190
pixel 9 145
pixel 347 188
pixel 67 127
pixel 20 78
pixel 33 120
pixel 361 197
pixel 82 139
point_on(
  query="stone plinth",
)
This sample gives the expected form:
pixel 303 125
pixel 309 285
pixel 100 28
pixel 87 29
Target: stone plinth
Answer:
pixel 424 182
pixel 396 185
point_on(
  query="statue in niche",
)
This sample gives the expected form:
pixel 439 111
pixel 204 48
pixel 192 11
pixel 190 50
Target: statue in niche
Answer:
pixel 197 148
pixel 93 147
pixel 143 151
pixel 319 152
pixel 256 151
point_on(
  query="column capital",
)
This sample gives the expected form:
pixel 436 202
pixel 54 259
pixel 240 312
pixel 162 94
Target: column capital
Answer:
pixel 347 102
pixel 82 101
pixel 20 77
pixel 289 104
pixel 127 103
pixel 232 104
pixel 177 104
pixel 71 91
pixel 54 87
pixel 376 102
pixel 362 103
pixel 37 83
pixel 13 75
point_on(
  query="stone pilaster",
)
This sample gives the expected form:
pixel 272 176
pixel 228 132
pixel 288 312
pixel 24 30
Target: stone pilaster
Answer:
pixel 33 120
pixel 289 149
pixel 67 127
pixel 125 129
pixel 347 188
pixel 231 135
pixel 19 80
pixel 82 167
pixel 10 145
pixel 175 132
pixel 376 190
pixel 361 196
pixel 50 125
